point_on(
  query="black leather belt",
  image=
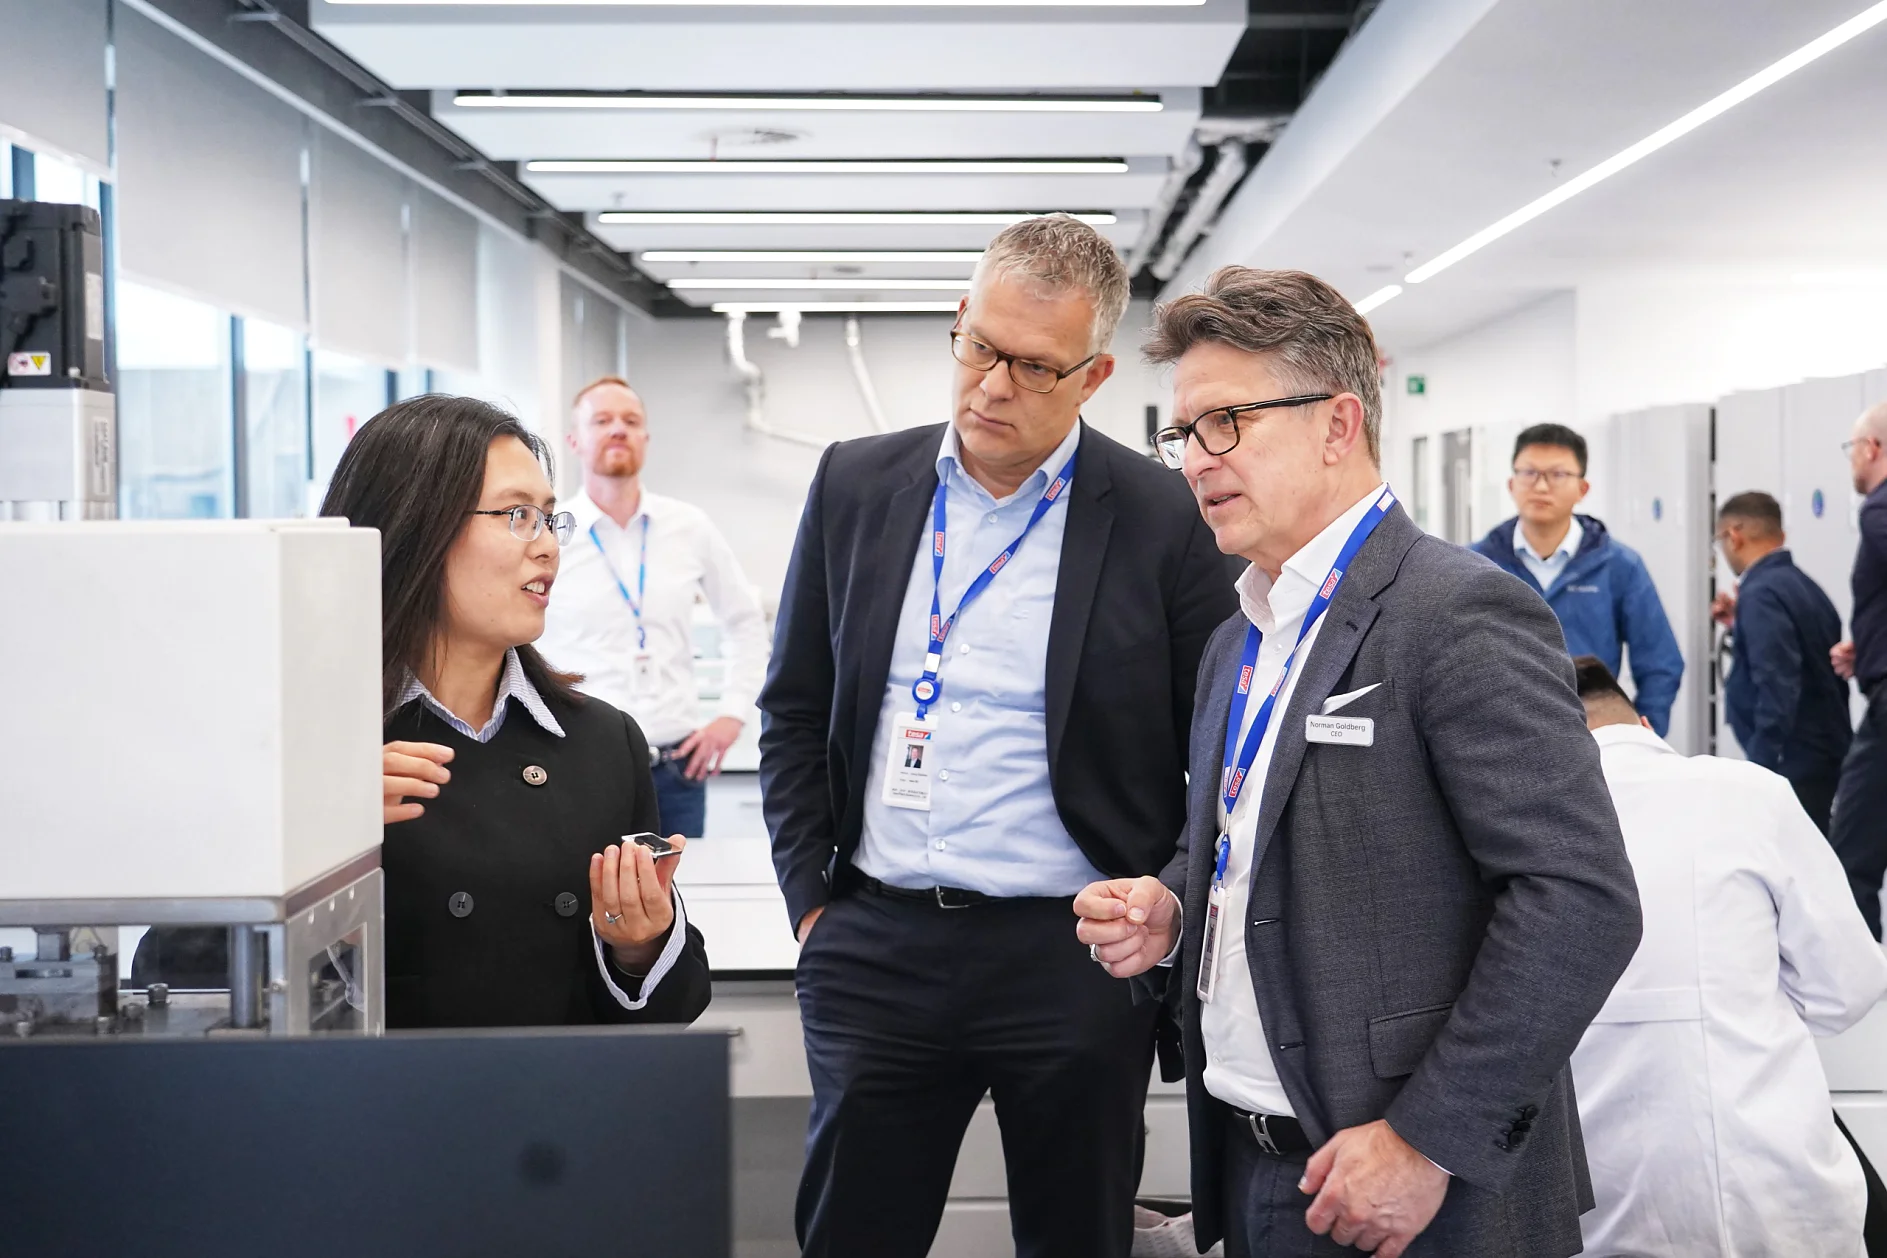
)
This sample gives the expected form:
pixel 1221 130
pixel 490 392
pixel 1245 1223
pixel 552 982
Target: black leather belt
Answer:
pixel 670 754
pixel 942 897
pixel 1274 1134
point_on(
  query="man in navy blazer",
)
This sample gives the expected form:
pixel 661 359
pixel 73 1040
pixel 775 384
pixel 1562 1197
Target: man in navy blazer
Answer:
pixel 981 684
pixel 1786 705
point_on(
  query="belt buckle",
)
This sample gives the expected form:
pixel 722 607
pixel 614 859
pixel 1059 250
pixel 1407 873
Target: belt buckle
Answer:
pixel 943 902
pixel 1261 1132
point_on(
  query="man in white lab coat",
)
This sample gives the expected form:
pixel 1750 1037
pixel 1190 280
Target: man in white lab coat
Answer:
pixel 1706 1112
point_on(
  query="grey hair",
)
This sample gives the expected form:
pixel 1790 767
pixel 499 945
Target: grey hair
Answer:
pixel 1315 339
pixel 1056 254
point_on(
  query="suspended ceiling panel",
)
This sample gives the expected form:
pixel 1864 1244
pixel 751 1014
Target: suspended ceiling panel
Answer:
pixel 521 134
pixel 710 48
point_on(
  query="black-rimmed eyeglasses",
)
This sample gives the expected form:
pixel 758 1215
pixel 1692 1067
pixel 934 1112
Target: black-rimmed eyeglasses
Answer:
pixel 1217 431
pixel 1027 373
pixel 527 523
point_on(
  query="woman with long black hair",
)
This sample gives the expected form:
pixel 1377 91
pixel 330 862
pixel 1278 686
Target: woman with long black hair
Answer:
pixel 512 898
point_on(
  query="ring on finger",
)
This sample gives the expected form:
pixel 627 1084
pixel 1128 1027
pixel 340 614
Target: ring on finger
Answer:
pixel 1094 954
pixel 611 918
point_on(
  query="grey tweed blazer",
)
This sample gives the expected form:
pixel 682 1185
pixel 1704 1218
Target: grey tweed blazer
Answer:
pixel 1435 918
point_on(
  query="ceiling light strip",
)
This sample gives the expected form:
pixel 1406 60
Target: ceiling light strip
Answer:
pixel 805 104
pixel 966 257
pixel 813 285
pixel 836 308
pixel 797 4
pixel 1812 51
pixel 1381 297
pixel 651 167
pixel 822 218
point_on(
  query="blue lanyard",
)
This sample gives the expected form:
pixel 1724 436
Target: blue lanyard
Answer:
pixel 642 580
pixel 926 688
pixel 1239 759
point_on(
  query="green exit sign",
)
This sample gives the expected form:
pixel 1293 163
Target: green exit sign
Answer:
pixel 1418 384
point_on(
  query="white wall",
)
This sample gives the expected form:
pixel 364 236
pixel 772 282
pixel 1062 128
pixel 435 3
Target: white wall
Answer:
pixel 1494 380
pixel 1583 356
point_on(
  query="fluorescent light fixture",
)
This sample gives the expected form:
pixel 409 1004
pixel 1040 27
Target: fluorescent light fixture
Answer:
pixel 1381 297
pixel 965 257
pixel 640 167
pixel 836 307
pixel 821 218
pixel 791 104
pixel 803 4
pixel 857 285
pixel 1722 103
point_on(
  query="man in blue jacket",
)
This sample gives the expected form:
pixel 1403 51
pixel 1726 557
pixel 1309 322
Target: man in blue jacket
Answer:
pixel 1786 705
pixel 1597 587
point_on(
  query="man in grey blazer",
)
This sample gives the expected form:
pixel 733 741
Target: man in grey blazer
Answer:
pixel 1403 889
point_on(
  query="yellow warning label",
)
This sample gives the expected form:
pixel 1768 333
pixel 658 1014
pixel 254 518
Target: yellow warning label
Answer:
pixel 29 364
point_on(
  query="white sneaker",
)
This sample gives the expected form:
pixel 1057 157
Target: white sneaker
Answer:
pixel 1157 1236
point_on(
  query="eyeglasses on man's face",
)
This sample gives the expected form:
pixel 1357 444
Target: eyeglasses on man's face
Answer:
pixel 1217 431
pixel 1028 374
pixel 1847 447
pixel 1555 477
pixel 527 523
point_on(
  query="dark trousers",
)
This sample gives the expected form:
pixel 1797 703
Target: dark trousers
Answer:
pixel 1815 789
pixel 912 1013
pixel 683 805
pixel 1264 1209
pixel 1858 831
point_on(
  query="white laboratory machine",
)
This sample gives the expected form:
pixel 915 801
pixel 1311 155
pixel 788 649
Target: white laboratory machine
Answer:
pixel 195 709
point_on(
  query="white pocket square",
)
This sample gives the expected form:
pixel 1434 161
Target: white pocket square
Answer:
pixel 1336 702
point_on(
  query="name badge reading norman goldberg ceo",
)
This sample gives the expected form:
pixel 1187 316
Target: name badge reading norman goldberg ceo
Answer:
pixel 1344 731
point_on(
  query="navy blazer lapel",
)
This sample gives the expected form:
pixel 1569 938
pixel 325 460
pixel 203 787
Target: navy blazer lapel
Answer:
pixel 883 577
pixel 1346 620
pixel 1083 548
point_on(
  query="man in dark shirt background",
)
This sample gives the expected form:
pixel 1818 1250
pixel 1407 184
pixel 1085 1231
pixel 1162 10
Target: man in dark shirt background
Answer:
pixel 1785 703
pixel 1859 828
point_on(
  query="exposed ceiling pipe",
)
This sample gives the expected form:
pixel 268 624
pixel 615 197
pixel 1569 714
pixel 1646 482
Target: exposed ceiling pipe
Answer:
pixel 750 376
pixel 855 351
pixel 1226 173
pixel 1220 133
pixel 1190 159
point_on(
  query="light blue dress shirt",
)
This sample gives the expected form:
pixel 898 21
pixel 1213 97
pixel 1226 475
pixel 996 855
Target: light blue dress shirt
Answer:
pixel 1547 570
pixel 992 825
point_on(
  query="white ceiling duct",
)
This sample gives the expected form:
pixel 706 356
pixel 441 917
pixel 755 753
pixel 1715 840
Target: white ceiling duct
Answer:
pixel 1226 174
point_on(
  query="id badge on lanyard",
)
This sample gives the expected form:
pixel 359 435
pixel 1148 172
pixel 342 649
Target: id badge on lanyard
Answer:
pixel 1215 908
pixel 642 671
pixel 910 750
pixel 907 762
pixel 1241 757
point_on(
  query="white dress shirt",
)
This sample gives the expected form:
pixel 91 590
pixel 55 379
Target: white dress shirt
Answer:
pixel 591 627
pixel 1547 570
pixel 1706 1113
pixel 1239 1069
pixel 514 684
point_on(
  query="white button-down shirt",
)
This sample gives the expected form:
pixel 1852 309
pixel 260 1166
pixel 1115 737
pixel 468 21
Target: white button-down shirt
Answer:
pixel 592 629
pixel 1239 1069
pixel 1704 1104
pixel 514 684
pixel 1547 570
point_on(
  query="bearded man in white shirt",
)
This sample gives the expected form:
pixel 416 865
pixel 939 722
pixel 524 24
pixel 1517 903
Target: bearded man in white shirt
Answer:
pixel 1705 1108
pixel 622 613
